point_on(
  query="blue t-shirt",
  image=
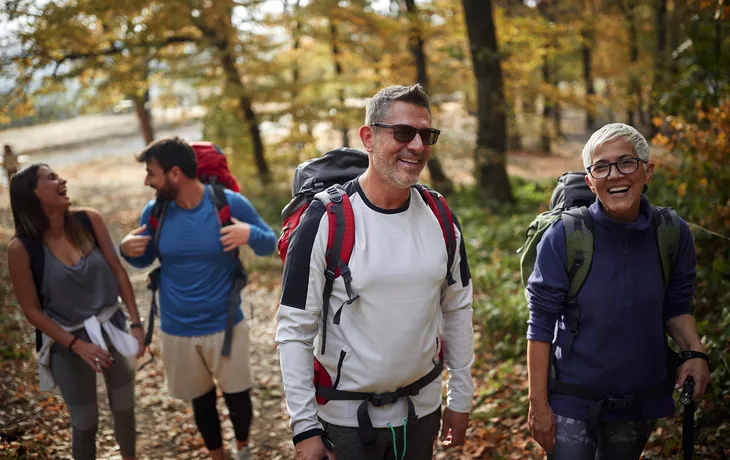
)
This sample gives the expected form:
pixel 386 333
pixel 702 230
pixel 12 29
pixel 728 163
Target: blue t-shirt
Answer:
pixel 619 349
pixel 197 275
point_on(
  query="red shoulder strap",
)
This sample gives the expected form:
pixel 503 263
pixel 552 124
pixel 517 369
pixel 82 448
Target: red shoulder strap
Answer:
pixel 441 209
pixel 333 208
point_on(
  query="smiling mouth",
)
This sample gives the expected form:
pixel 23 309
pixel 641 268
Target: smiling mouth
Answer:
pixel 62 192
pixel 617 190
pixel 410 161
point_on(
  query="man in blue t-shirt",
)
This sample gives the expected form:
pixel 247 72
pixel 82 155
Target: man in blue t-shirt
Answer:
pixel 195 282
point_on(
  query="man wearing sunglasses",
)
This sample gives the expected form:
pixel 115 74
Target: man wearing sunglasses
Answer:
pixel 386 343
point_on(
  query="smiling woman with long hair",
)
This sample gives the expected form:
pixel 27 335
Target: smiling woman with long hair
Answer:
pixel 68 278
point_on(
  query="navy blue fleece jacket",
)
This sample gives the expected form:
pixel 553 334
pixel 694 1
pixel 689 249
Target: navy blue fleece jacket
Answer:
pixel 619 349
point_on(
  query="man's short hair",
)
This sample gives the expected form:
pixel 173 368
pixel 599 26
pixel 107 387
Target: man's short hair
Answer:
pixel 379 106
pixel 170 152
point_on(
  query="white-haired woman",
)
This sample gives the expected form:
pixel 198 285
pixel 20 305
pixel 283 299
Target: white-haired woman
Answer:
pixel 596 393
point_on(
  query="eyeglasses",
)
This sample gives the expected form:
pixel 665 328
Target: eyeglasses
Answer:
pixel 406 133
pixel 625 166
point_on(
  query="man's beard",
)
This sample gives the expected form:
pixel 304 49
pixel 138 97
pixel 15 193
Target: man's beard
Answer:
pixel 167 192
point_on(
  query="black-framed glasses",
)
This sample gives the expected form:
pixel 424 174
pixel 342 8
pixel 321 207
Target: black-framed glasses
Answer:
pixel 625 166
pixel 406 133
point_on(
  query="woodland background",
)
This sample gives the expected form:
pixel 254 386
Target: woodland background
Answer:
pixel 517 87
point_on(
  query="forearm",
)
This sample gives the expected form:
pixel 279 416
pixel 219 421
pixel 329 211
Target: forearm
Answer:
pixel 40 320
pixel 459 357
pixel 143 261
pixel 295 335
pixel 683 330
pixel 262 240
pixel 538 363
pixel 126 292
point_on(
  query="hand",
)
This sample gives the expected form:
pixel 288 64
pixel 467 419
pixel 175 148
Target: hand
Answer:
pixel 313 449
pixel 235 235
pixel 135 244
pixel 542 425
pixel 453 431
pixel 698 369
pixel 138 333
pixel 93 355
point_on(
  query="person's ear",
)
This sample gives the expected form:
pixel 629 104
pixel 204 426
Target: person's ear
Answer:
pixel 366 136
pixel 589 183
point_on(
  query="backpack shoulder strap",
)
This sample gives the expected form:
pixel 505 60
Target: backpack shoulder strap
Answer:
pixel 666 225
pixel 83 217
pixel 218 195
pixel 579 255
pixel 437 203
pixel 340 242
pixel 157 216
pixel 37 257
pixel 579 247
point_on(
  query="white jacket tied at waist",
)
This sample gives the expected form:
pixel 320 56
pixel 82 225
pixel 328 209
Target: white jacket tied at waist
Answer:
pixel 125 344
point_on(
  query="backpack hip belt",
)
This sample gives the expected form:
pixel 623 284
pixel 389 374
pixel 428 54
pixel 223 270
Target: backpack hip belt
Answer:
pixel 367 432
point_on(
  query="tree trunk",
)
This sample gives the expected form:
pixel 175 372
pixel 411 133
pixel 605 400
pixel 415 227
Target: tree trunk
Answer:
pixel 439 179
pixel 219 39
pixel 588 37
pixel 515 140
pixel 234 80
pixel 547 109
pixel 338 71
pixel 634 84
pixel 660 56
pixel 490 155
pixel 674 32
pixel 144 116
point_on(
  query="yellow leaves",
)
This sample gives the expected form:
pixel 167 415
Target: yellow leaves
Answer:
pixel 682 190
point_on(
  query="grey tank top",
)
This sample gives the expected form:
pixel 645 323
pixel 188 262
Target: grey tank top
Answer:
pixel 73 294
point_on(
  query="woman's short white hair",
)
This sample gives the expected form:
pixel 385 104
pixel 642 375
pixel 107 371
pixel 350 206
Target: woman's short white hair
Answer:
pixel 610 133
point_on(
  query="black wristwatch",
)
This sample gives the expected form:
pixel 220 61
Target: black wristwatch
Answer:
pixel 136 325
pixel 686 355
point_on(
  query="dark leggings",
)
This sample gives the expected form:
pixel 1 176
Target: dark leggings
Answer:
pixel 77 382
pixel 206 416
pixel 616 440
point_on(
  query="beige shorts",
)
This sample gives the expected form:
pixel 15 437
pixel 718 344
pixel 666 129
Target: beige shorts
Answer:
pixel 194 364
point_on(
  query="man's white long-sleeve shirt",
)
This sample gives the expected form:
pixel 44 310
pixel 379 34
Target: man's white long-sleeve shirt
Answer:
pixel 389 337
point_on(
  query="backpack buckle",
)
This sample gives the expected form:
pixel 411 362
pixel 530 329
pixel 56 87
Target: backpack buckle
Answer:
pixel 335 194
pixel 384 399
pixel 619 403
pixel 329 274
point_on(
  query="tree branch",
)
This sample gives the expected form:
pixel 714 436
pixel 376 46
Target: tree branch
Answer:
pixel 115 49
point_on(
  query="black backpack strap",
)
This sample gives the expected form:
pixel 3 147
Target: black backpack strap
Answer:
pixel 666 226
pixel 157 217
pixel 240 278
pixel 37 257
pixel 83 217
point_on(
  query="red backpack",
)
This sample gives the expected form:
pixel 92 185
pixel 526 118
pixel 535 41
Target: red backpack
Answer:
pixel 319 179
pixel 212 171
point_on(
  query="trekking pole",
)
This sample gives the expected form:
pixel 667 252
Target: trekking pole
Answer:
pixel 688 425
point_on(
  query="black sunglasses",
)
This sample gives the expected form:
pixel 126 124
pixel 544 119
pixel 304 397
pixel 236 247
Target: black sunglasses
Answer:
pixel 406 133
